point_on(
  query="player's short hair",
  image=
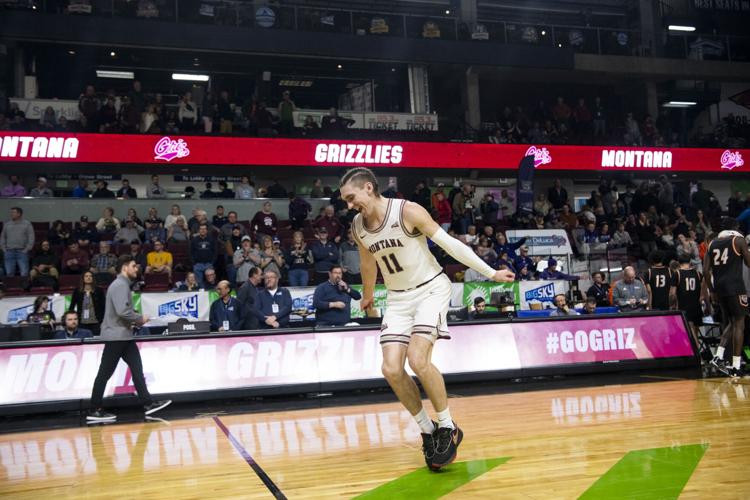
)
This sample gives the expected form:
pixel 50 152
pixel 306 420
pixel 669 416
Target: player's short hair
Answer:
pixel 124 260
pixel 729 224
pixel 358 176
pixel 683 259
pixel 478 300
pixel 656 257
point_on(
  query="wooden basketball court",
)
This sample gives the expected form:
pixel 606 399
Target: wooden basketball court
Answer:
pixel 663 439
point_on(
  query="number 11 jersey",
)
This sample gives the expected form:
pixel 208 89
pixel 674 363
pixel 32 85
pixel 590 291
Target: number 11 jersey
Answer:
pixel 403 257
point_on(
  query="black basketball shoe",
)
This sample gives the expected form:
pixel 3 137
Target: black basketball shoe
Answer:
pixel 446 446
pixel 100 415
pixel 156 406
pixel 428 446
pixel 720 365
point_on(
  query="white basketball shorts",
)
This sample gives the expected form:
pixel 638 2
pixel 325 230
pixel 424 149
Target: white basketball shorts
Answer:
pixel 422 311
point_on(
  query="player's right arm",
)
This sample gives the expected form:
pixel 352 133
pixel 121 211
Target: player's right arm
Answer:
pixel 741 245
pixel 369 273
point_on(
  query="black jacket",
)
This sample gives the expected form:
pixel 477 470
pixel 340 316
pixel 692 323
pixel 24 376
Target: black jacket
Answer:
pixel 76 303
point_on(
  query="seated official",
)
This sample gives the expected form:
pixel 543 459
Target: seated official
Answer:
pixel 70 328
pixel 480 307
pixel 274 302
pixel 630 293
pixel 599 290
pixel 562 308
pixel 589 307
pixel 226 312
pixel 333 300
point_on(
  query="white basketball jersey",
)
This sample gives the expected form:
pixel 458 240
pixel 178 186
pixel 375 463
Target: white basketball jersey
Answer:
pixel 403 258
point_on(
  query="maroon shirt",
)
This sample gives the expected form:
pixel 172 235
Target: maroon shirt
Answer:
pixel 265 223
pixel 332 225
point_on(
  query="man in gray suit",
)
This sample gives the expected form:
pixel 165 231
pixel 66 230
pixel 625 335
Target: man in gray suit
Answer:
pixel 117 331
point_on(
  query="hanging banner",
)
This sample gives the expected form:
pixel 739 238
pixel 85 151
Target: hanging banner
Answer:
pixel 485 289
pixel 544 242
pixel 540 292
pixel 525 186
pixel 171 306
pixel 302 303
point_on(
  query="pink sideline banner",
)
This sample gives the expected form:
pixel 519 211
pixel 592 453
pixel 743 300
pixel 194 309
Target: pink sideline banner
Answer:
pixel 56 373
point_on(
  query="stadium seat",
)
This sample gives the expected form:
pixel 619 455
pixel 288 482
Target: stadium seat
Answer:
pixel 156 282
pixel 42 290
pixel 68 283
pixel 15 285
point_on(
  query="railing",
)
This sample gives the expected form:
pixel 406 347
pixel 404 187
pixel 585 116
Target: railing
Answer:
pixel 582 39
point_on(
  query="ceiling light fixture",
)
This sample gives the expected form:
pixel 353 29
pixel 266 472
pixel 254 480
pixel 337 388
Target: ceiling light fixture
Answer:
pixel 121 75
pixel 189 78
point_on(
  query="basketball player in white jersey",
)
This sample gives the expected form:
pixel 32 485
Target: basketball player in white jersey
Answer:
pixel 392 235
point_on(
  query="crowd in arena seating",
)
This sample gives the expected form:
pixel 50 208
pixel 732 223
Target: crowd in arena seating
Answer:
pixel 588 121
pixel 200 250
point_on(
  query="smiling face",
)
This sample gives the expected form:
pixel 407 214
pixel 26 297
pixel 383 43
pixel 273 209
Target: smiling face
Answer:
pixel 360 198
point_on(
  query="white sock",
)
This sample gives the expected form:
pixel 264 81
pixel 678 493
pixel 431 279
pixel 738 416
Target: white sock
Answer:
pixel 720 352
pixel 736 362
pixel 424 422
pixel 445 420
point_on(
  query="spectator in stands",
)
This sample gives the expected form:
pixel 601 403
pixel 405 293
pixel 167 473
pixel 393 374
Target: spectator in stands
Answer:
pixel 561 307
pixel 463 208
pixel 190 284
pixel 130 116
pixel 137 97
pixel 150 120
pixel 599 290
pixel 154 190
pixel 210 279
pixel 589 307
pixel 178 231
pixel 541 205
pixel 126 191
pixel 331 223
pixel 310 127
pixel 735 205
pixel 107 117
pixel 75 260
pixel 507 204
pixel 551 273
pixel 187 113
pixel 208 194
pixel 632 135
pixel 274 302
pixel 102 191
pixel 688 248
pixel 248 298
pixel 490 209
pixel 16 117
pixel 138 255
pixel 272 258
pixel 129 232
pixel 41 314
pixel 88 301
pixel 443 210
pixel 286 114
pixel 561 112
pixel 557 195
pixel 41 190
pixel 630 294
pixel 70 328
pixel 203 253
pixel 486 253
pixel 226 313
pixel 621 238
pixel 225 232
pixel 276 190
pixel 16 242
pixel 44 266
pixel 244 190
pixel 134 215
pixel 174 213
pixel 159 261
pixel 502 246
pixel 225 113
pixel 218 220
pixel 298 211
pixel 523 259
pixel 88 105
pixel 332 300
pixel 49 119
pixel 104 262
pixel 108 223
pixel 58 234
pixel 325 255
pixel 299 259
pixel 81 189
pixel 317 189
pixel 224 191
pixel 335 123
pixel 421 195
pixel 264 222
pixel 702 225
pixel 582 120
pixel 154 231
pixel 14 189
pixel 646 233
pixel 471 237
pixel 242 260
pixel 349 258
pixel 599 119
pixel 525 273
pixel 85 234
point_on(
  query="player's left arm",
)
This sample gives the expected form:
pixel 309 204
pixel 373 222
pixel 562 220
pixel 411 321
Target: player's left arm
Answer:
pixel 416 217
pixel 741 245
